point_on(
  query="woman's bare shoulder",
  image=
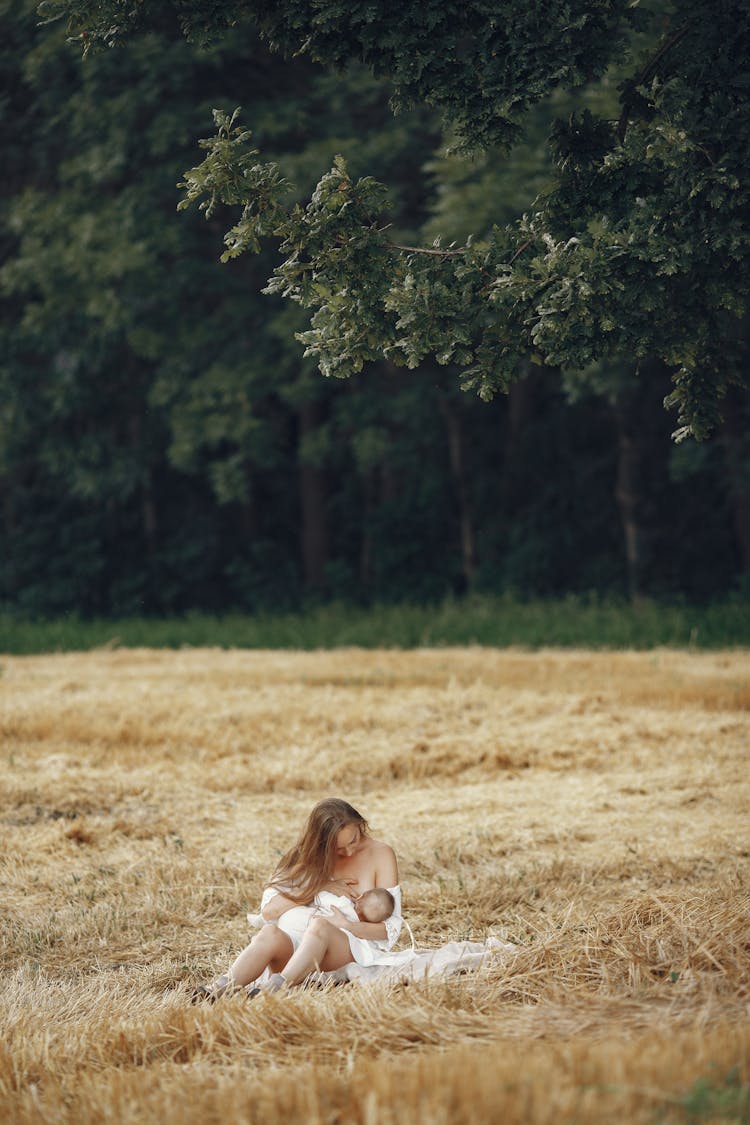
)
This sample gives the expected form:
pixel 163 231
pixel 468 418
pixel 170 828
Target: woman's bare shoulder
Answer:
pixel 384 859
pixel 377 847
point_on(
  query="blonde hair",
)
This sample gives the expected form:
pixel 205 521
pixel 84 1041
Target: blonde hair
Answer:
pixel 308 866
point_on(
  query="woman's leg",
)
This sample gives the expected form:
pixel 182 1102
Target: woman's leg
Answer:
pixel 270 948
pixel 324 946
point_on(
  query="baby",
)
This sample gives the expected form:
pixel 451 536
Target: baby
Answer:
pixel 372 906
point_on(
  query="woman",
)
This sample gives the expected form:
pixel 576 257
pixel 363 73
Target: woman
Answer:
pixel 334 853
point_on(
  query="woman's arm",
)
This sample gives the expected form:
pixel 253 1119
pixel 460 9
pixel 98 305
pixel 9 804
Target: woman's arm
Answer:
pixel 370 931
pixel 386 867
pixel 386 875
pixel 273 907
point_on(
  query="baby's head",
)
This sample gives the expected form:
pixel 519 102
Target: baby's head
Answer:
pixel 375 905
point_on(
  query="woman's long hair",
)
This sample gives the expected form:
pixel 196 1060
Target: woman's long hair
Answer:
pixel 309 865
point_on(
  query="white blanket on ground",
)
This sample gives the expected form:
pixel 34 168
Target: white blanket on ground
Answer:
pixel 417 964
pixel 374 960
pixel 294 922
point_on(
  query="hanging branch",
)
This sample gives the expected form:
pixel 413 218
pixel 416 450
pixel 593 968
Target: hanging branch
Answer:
pixel 424 250
pixel 648 72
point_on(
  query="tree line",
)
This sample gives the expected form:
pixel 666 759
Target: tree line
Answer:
pixel 165 444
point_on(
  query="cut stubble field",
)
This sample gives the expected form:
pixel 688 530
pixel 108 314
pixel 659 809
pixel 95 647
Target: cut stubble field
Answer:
pixel 592 808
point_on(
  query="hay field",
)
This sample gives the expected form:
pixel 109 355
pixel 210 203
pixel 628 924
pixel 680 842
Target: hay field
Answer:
pixel 592 808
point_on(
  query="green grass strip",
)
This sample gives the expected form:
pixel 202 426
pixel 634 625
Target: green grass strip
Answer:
pixel 572 622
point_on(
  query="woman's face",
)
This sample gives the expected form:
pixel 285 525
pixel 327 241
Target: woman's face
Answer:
pixel 348 841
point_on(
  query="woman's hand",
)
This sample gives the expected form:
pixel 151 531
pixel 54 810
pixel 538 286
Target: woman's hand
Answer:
pixel 370 931
pixel 339 919
pixel 343 887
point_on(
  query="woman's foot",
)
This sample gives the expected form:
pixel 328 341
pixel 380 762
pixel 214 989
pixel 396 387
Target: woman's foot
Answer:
pixel 214 991
pixel 275 983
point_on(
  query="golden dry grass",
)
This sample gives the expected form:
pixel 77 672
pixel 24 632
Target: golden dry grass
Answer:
pixel 593 808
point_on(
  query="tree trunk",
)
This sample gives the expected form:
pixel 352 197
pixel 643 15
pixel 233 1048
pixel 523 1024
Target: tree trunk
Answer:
pixel 313 492
pixel 367 545
pixel 10 584
pixel 149 517
pixel 248 517
pixel 457 453
pixel 521 409
pixel 627 495
pixel 642 429
pixel 737 459
pixel 513 487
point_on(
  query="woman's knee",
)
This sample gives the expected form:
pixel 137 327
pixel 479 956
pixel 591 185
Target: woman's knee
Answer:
pixel 321 927
pixel 272 937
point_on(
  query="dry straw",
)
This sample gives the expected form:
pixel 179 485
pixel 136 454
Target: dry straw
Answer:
pixel 591 808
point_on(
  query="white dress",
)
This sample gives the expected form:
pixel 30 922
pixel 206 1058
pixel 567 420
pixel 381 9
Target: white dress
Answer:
pixel 376 960
pixel 294 922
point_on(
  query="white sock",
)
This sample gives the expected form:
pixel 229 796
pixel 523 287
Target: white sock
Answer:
pixel 275 983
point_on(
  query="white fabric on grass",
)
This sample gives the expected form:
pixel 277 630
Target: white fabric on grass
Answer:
pixel 377 960
pixel 294 922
